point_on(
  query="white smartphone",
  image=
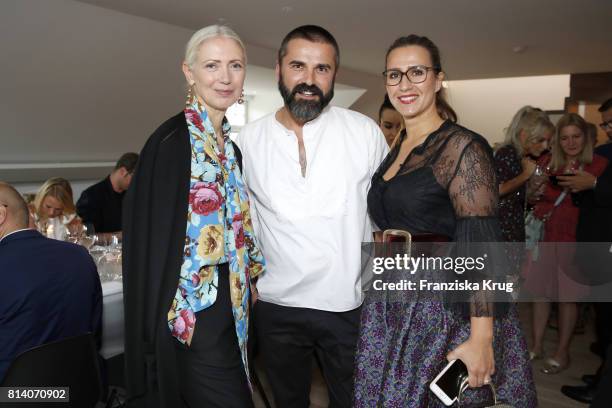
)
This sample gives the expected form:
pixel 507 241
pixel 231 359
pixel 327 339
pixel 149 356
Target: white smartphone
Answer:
pixel 447 384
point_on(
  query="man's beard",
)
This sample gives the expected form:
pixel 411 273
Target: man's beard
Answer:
pixel 301 109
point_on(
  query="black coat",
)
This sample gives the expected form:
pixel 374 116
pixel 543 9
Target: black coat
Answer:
pixel 595 228
pixel 154 221
pixel 595 220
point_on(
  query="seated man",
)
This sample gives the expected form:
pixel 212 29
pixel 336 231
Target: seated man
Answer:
pixel 100 204
pixel 49 289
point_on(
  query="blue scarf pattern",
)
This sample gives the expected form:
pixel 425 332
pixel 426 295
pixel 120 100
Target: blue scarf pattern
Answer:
pixel 219 230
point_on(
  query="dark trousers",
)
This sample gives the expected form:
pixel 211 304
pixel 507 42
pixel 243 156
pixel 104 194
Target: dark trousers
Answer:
pixel 211 373
pixel 603 396
pixel 289 337
pixel 603 332
pixel 603 326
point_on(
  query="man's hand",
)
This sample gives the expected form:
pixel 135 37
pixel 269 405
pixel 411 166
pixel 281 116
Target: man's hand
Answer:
pixel 580 181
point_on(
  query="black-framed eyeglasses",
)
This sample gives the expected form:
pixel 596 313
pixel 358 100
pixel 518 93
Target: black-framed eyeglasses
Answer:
pixel 415 75
pixel 605 125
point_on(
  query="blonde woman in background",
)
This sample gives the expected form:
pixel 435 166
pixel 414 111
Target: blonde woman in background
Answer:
pixel 527 138
pixel 54 206
pixel 571 153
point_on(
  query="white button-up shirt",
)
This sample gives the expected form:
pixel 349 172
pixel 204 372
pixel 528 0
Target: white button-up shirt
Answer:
pixel 310 228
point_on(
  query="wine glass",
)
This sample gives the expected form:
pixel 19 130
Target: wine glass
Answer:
pixel 73 232
pixel 97 249
pixel 538 170
pixel 88 237
pixel 113 257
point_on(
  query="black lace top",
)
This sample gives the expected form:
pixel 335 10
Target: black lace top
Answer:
pixel 446 186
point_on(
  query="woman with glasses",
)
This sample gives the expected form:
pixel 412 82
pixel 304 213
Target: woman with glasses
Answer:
pixel 439 179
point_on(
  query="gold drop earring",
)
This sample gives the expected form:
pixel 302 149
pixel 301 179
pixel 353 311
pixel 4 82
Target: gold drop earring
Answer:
pixel 241 98
pixel 189 95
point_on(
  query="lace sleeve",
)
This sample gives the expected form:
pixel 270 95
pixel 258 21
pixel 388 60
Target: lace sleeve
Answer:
pixel 473 190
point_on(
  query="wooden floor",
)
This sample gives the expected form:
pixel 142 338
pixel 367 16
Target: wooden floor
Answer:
pixel 582 362
pixel 548 386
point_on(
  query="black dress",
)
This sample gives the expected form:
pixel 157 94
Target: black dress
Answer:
pixel 512 205
pixel 446 186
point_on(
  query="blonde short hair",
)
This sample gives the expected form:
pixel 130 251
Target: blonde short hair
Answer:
pixel 203 34
pixel 559 159
pixel 533 121
pixel 58 188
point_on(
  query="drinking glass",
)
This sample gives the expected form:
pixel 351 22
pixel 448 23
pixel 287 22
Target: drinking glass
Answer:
pixel 88 237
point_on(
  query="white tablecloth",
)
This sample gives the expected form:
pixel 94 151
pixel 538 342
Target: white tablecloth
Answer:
pixel 112 319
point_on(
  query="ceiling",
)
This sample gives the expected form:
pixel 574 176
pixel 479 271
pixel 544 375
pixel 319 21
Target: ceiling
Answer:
pixel 476 37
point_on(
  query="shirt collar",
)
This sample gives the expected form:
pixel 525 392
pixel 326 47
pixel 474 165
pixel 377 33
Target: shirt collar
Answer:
pixel 14 232
pixel 316 120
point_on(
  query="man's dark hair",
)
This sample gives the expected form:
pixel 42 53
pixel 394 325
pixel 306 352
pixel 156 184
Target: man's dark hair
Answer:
pixel 127 161
pixel 310 33
pixel 606 105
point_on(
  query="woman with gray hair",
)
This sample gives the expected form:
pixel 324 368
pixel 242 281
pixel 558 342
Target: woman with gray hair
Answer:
pixel 189 252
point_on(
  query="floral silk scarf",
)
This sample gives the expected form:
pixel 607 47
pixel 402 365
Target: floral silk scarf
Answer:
pixel 219 230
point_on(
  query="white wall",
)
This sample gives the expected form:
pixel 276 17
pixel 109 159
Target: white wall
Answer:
pixel 85 84
pixel 487 105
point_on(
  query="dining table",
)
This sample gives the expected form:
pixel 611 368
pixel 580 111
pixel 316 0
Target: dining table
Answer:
pixel 113 332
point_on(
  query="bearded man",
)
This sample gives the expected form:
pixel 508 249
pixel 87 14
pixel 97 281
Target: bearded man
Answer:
pixel 308 168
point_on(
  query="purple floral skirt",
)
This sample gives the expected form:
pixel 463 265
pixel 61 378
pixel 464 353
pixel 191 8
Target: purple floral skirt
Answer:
pixel 403 346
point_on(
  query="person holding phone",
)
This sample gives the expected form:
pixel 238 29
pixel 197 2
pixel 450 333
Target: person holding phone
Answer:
pixel 438 178
pixel 547 277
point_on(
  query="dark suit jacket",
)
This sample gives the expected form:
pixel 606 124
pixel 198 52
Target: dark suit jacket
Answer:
pixel 49 290
pixel 154 221
pixel 594 231
pixel 595 221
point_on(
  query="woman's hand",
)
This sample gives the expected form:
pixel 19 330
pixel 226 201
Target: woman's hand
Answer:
pixel 254 293
pixel 477 352
pixel 529 166
pixel 478 358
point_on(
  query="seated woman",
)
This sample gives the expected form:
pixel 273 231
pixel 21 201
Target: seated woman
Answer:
pixel 54 209
pixel 389 120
